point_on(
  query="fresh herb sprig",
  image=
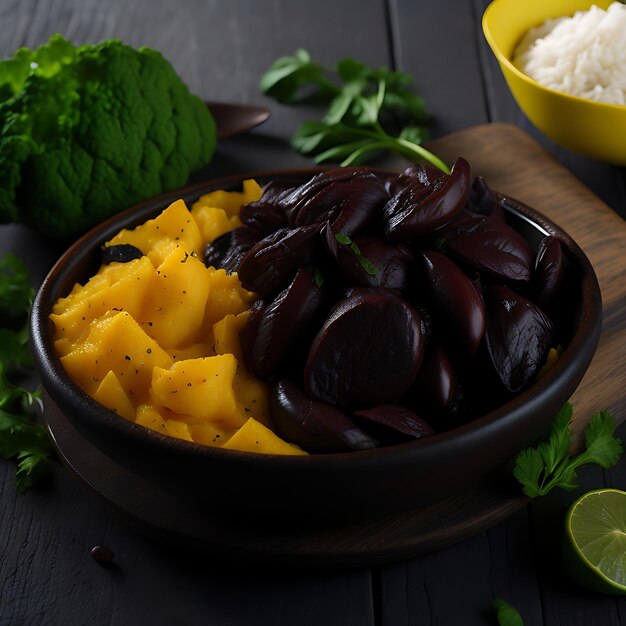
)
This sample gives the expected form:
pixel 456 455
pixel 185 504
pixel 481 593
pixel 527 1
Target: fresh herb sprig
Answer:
pixel 20 436
pixel 550 464
pixel 363 103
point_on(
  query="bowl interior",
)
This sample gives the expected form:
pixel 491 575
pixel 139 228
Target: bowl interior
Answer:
pixel 323 485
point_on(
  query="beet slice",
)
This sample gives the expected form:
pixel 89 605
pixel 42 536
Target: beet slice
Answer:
pixel 519 335
pixel 492 246
pixel 227 251
pixel 549 273
pixel 369 261
pixel 284 321
pixel 247 335
pixel 314 426
pixel 119 253
pixel 419 210
pixel 271 263
pixel 393 423
pixel 458 307
pixel 483 200
pixel 367 352
pixel 436 385
pixel 262 217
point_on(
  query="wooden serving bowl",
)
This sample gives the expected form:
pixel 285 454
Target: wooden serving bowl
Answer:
pixel 319 487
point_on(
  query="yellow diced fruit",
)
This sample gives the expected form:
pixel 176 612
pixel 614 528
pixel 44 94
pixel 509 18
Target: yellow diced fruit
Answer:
pixel 255 437
pixel 195 351
pixel 173 312
pixel 116 343
pixel 231 201
pixel 213 222
pixel 112 395
pixel 207 434
pixel 201 389
pixel 177 429
pixel 149 417
pixel 118 286
pixel 226 296
pixel 252 396
pixel 226 334
pixel 174 223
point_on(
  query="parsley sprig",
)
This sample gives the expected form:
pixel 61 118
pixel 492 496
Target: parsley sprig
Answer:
pixel 20 436
pixel 363 105
pixel 550 464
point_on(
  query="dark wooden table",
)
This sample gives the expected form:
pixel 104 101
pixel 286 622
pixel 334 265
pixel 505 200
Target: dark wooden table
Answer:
pixel 221 49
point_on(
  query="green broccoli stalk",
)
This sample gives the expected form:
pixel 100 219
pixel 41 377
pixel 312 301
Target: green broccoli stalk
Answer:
pixel 87 131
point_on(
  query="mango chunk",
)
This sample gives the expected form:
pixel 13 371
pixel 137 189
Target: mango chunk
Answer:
pixel 213 222
pixel 226 334
pixel 173 312
pixel 255 437
pixel 149 417
pixel 226 297
pixel 118 286
pixel 230 201
pixel 201 389
pixel 177 429
pixel 252 396
pixel 207 434
pixel 116 343
pixel 112 395
pixel 174 223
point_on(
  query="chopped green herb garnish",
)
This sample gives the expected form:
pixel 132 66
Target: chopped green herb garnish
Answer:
pixel 365 263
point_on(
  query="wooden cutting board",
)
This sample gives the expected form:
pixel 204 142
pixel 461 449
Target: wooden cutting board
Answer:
pixel 514 164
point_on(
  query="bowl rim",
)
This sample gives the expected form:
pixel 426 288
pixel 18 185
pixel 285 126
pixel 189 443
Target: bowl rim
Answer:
pixel 503 59
pixel 47 360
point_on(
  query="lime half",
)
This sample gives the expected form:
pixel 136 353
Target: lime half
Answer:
pixel 595 540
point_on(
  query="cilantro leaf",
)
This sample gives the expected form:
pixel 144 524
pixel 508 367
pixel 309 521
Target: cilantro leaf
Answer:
pixel 550 464
pixel 287 76
pixel 363 114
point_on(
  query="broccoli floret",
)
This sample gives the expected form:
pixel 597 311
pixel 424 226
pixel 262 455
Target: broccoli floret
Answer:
pixel 87 131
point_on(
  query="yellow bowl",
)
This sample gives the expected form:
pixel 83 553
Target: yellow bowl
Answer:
pixel 593 129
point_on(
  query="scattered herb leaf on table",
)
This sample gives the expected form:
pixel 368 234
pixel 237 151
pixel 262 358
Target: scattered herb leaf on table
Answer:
pixel 20 436
pixel 363 105
pixel 550 464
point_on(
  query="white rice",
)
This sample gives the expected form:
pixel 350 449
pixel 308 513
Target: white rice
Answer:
pixel 583 55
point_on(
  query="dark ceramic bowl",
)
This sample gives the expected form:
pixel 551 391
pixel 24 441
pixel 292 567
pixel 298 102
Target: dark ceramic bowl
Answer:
pixel 353 485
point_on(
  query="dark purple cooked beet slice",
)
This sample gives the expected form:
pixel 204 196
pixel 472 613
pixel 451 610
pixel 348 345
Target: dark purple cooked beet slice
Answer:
pixel 369 261
pixel 227 251
pixel 418 210
pixel 262 217
pixel 314 426
pixel 549 273
pixel 270 264
pixel 284 321
pixel 393 423
pixel 119 253
pixel 519 335
pixel 347 204
pixel 347 196
pixel 490 245
pixel 483 200
pixel 435 386
pixel 367 352
pixel 457 306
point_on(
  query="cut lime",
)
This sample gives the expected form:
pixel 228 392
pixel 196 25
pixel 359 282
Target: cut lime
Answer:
pixel 595 540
